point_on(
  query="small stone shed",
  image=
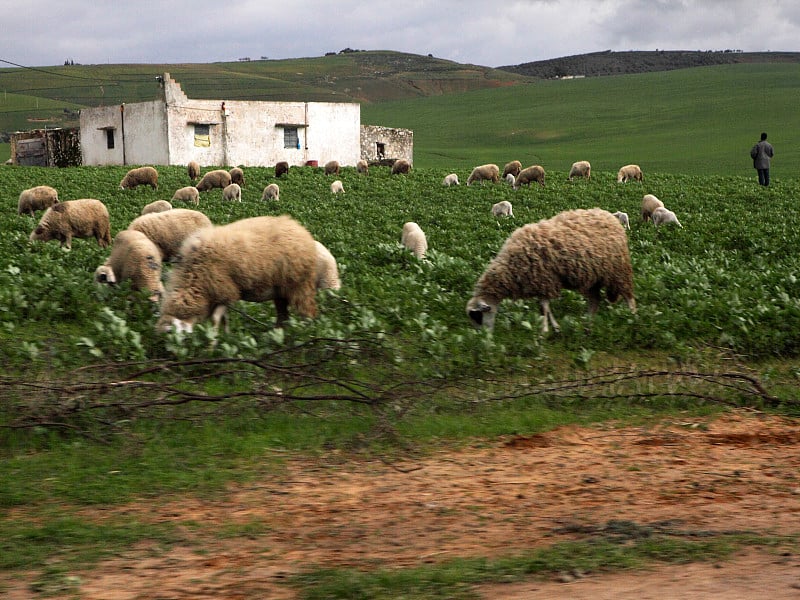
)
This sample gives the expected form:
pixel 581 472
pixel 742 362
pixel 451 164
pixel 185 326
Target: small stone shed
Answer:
pixel 46 148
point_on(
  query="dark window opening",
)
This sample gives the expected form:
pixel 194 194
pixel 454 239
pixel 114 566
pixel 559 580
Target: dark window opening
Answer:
pixel 109 139
pixel 290 138
pixel 381 150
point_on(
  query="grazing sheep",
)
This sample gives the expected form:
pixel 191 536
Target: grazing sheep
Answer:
pixel 662 216
pixel 401 167
pixel 232 192
pixel 528 175
pixel 36 198
pixel 157 206
pixel 337 187
pixel 82 218
pixel 139 176
pixel 413 238
pixel 255 259
pixel 135 257
pixel 219 178
pixel 193 170
pixel 502 209
pixel 623 219
pixel 629 172
pixel 581 250
pixel 187 194
pixel 483 172
pixel 451 179
pixel 167 230
pixel 327 269
pixel 237 176
pixel 582 168
pixel 510 179
pixel 513 167
pixel 281 168
pixel 362 166
pixel 271 192
pixel 649 204
pixel 332 167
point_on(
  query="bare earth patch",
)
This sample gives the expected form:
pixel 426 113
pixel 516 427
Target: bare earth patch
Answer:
pixel 736 473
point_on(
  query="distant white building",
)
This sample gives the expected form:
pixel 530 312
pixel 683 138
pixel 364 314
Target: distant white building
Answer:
pixel 176 130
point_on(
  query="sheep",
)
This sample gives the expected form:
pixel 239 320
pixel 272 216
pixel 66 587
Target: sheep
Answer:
pixel 502 209
pixel 451 179
pixel 82 218
pixel 529 174
pixel 139 176
pixel 193 170
pixel 135 257
pixel 649 204
pixel 581 250
pixel 281 168
pixel 510 179
pixel 582 168
pixel 629 172
pixel 187 194
pixel 337 187
pixel 362 166
pixel 255 259
pixel 232 192
pixel 157 206
pixel 622 217
pixel 237 176
pixel 401 167
pixel 413 238
pixel 36 198
pixel 271 192
pixel 513 167
pixel 483 172
pixel 331 167
pixel 327 269
pixel 167 230
pixel 662 216
pixel 218 178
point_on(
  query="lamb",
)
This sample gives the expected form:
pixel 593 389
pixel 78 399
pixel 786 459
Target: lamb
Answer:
pixel 232 192
pixel 281 168
pixel 139 176
pixel 529 174
pixel 629 172
pixel 582 168
pixel 36 198
pixel 401 167
pixel 157 206
pixel 255 259
pixel 219 178
pixel 649 204
pixel 502 209
pixel 662 216
pixel 193 170
pixel 581 250
pixel 271 192
pixel 510 179
pixel 337 187
pixel 187 194
pixel 167 230
pixel 332 167
pixel 513 167
pixel 237 176
pixel 82 218
pixel 362 166
pixel 136 258
pixel 413 238
pixel 622 217
pixel 451 179
pixel 483 172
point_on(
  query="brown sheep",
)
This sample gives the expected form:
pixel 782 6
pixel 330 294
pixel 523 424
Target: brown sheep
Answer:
pixel 629 172
pixel 135 257
pixel 218 178
pixel 139 176
pixel 401 167
pixel 332 167
pixel 362 166
pixel 193 170
pixel 582 168
pixel 281 168
pixel 513 167
pixel 483 172
pixel 36 198
pixel 237 176
pixel 82 218
pixel 528 175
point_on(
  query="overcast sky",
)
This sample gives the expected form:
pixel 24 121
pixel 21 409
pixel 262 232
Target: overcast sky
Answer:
pixel 488 33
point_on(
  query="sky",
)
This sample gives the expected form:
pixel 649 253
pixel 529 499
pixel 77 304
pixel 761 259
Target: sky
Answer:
pixel 487 33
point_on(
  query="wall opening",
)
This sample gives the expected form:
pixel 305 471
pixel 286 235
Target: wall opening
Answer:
pixel 110 139
pixel 202 135
pixel 380 150
pixel 290 138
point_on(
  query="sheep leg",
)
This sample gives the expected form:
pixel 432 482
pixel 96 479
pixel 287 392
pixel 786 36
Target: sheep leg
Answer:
pixel 547 315
pixel 282 309
pixel 218 315
pixel 593 296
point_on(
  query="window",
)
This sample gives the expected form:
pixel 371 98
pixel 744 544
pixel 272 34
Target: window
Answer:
pixel 290 138
pixel 380 150
pixel 202 137
pixel 110 139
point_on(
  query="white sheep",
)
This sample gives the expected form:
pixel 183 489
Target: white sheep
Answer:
pixel 337 187
pixel 483 172
pixel 629 172
pixel 649 204
pixel 271 192
pixel 451 179
pixel 413 238
pixel 581 250
pixel 232 192
pixel 168 229
pixel 187 194
pixel 136 258
pixel 36 198
pixel 218 178
pixel 255 259
pixel 157 206
pixel 139 176
pixel 582 168
pixel 529 175
pixel 623 219
pixel 502 209
pixel 663 216
pixel 82 218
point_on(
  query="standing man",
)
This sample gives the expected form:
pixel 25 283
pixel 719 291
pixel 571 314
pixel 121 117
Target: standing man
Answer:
pixel 761 154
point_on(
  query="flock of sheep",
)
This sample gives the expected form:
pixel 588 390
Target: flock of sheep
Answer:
pixel 276 258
